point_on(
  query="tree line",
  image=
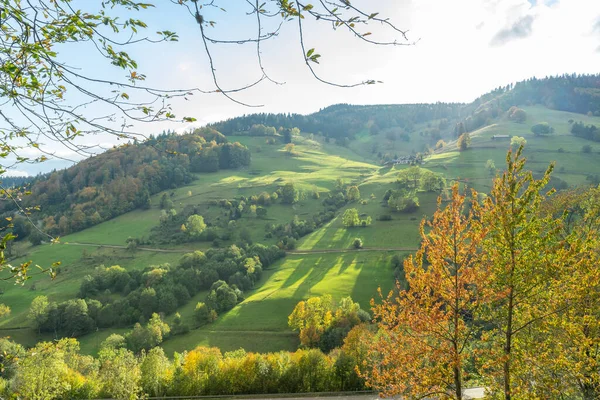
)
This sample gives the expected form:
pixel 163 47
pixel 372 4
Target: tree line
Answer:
pixel 345 121
pixel 114 296
pixel 589 132
pixel 56 370
pixel 573 93
pixel 132 365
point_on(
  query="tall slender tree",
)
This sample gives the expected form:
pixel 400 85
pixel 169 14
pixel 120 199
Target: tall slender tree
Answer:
pixel 524 251
pixel 428 330
pixel 571 336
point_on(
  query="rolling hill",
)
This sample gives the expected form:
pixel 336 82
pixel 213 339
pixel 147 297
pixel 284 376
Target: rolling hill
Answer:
pixel 322 261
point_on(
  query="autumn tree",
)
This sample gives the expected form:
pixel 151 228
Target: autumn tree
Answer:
pixel 323 323
pixel 571 337
pixel 119 373
pixel 311 318
pixel 290 149
pixel 42 373
pixel 428 330
pixel 464 141
pixel 517 114
pixel 524 254
pixel 357 344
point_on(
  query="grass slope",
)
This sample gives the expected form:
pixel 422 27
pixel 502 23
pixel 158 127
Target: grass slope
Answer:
pixel 260 322
pixel 561 147
pixel 324 263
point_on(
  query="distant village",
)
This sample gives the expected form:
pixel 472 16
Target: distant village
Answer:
pixel 406 160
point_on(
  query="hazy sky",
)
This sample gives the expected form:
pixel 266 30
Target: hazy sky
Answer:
pixel 464 48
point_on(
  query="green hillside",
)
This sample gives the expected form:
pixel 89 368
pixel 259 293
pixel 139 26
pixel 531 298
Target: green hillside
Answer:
pixel 573 166
pixel 338 270
pixel 323 260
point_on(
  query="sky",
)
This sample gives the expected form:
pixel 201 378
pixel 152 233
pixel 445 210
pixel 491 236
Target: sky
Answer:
pixel 462 49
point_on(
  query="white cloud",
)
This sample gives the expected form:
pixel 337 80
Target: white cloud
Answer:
pixel 519 30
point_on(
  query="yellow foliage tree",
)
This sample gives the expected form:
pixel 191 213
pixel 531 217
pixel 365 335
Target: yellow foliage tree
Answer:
pixel 311 318
pixel 426 331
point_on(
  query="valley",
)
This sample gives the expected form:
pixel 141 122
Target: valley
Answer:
pixel 323 261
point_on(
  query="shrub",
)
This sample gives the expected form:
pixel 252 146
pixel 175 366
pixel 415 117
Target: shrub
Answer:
pixel 516 114
pixel 543 128
pixel 357 243
pixel 202 314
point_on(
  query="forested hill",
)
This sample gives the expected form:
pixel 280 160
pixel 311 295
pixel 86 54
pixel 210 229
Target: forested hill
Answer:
pixel 122 179
pixel 573 93
pixel 345 120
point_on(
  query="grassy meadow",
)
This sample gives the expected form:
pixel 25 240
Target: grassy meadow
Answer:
pixel 561 148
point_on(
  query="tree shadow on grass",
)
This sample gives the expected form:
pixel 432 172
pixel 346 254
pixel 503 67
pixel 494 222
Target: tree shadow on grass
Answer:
pixel 301 270
pixel 347 263
pixel 372 276
pixel 317 273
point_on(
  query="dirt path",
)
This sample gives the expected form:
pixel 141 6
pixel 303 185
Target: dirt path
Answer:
pixel 114 246
pixel 292 252
pixel 364 249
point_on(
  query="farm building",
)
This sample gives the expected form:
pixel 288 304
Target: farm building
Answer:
pixel 405 160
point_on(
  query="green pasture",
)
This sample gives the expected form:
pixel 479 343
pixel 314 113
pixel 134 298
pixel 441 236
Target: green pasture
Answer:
pixel 260 322
pixel 76 263
pixel 560 148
